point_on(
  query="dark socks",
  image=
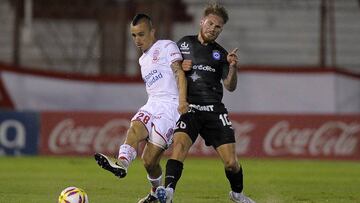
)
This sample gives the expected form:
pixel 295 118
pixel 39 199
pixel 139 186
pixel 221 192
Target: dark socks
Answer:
pixel 173 172
pixel 236 180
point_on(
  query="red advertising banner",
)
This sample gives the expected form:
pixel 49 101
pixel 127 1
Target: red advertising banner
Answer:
pixel 298 136
pixel 287 136
pixel 82 133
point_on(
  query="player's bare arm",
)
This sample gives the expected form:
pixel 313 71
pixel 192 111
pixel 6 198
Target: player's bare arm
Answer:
pixel 230 81
pixel 182 86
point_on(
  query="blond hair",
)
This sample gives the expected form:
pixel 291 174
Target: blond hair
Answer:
pixel 216 9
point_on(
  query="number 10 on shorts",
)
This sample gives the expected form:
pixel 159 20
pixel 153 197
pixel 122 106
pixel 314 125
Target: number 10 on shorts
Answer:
pixel 224 119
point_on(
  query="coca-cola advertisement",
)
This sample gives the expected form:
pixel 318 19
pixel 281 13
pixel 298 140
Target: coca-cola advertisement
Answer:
pixel 257 135
pixel 298 136
pixel 82 133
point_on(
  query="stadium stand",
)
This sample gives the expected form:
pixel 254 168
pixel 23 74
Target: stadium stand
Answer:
pixel 275 33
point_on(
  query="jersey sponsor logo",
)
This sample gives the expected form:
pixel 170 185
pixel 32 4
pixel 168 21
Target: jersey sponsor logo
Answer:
pixel 184 46
pixel 216 55
pixel 202 107
pixel 204 68
pixel 152 77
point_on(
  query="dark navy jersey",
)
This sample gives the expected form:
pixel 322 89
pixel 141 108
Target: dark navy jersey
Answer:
pixel 209 67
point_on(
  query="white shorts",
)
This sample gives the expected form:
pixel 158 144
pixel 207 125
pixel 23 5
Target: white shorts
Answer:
pixel 160 119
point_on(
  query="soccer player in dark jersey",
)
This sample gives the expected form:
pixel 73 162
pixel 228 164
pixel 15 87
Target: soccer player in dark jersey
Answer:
pixel 206 63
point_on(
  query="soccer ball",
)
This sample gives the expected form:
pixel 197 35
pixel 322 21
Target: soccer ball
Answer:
pixel 73 195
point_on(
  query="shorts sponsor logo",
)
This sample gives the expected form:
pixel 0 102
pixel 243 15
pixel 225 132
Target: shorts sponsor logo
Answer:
pixel 202 108
pixel 169 134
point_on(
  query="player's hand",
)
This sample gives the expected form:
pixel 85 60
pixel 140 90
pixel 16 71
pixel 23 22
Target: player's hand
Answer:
pixel 232 57
pixel 183 107
pixel 186 65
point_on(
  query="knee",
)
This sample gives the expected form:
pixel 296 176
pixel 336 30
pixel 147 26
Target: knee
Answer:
pixel 232 165
pixel 182 143
pixel 133 131
pixel 135 134
pixel 180 146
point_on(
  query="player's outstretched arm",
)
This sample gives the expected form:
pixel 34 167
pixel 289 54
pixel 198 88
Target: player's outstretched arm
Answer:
pixel 182 86
pixel 230 81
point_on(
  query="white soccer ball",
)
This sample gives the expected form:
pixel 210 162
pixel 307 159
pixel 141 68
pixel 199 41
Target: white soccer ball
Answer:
pixel 73 195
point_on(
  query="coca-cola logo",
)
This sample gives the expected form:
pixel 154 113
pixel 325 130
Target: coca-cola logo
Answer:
pixel 335 138
pixel 67 137
pixel 243 136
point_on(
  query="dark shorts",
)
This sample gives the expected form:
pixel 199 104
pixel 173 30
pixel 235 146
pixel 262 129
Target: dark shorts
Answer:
pixel 215 128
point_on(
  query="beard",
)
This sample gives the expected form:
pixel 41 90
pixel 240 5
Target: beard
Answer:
pixel 207 39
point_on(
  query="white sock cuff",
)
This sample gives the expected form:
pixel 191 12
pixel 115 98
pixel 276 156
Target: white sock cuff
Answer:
pixel 155 179
pixel 237 194
pixel 128 151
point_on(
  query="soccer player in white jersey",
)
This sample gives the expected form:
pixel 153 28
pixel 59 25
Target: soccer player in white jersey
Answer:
pixel 155 121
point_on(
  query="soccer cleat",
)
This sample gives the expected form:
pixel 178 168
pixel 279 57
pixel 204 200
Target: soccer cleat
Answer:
pixel 240 198
pixel 114 167
pixel 165 195
pixel 150 198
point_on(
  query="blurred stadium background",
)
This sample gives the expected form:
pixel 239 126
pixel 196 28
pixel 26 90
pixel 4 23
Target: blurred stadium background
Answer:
pixel 69 78
pixel 91 36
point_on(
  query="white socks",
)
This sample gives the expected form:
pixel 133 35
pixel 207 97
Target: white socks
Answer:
pixel 127 154
pixel 156 182
pixel 237 195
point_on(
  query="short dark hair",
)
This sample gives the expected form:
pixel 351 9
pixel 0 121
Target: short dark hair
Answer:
pixel 216 9
pixel 140 17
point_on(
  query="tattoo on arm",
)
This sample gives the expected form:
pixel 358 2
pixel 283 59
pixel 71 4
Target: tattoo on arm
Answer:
pixel 180 79
pixel 231 80
pixel 176 68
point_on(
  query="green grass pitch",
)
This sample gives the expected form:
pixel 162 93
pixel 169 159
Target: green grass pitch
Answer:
pixel 41 179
